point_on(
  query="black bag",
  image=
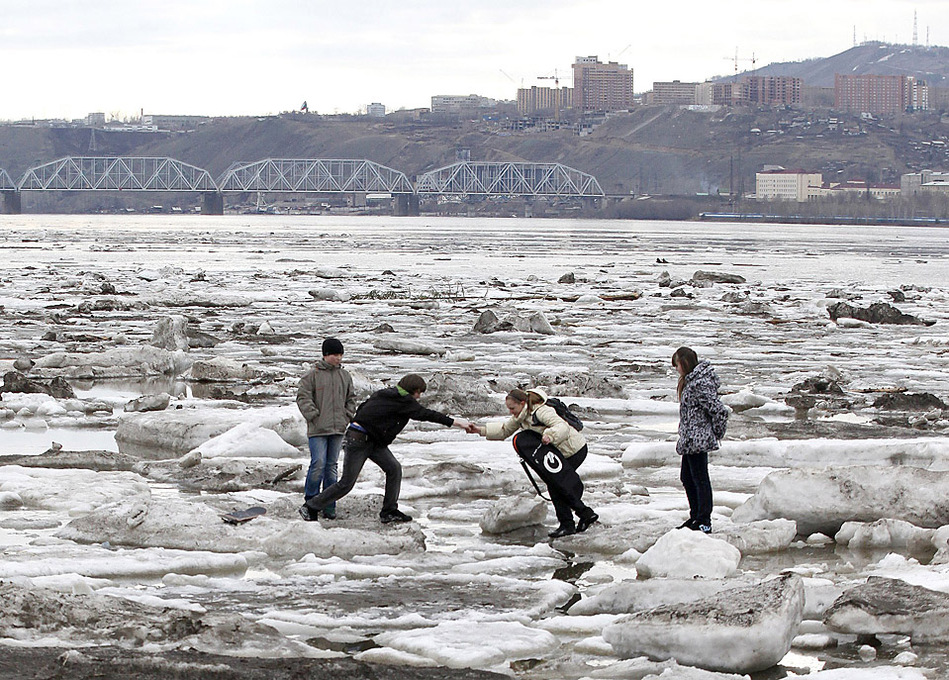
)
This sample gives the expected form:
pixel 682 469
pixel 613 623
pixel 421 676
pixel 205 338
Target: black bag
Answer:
pixel 547 461
pixel 564 412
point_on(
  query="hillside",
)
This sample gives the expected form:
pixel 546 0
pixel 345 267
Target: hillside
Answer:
pixel 654 149
pixel 930 64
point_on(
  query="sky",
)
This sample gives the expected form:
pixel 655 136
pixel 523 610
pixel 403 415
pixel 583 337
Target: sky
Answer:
pixel 67 58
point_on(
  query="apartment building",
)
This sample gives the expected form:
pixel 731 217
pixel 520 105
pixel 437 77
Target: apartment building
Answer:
pixel 787 185
pixel 879 95
pixel 376 110
pixel 769 90
pixel 675 92
pixel 601 87
pixel 530 100
pixel 451 103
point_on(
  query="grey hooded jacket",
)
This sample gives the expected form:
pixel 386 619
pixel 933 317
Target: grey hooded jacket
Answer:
pixel 326 399
pixel 702 415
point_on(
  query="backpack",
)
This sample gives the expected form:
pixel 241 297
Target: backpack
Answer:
pixel 564 412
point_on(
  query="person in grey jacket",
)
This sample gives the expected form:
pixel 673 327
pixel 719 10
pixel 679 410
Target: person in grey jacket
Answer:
pixel 702 421
pixel 327 401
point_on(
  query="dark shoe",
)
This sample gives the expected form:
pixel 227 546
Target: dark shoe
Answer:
pixel 306 514
pixel 704 528
pixel 562 530
pixel 387 516
pixel 688 524
pixel 329 514
pixel 586 522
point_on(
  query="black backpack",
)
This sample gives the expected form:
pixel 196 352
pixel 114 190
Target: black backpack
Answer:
pixel 564 412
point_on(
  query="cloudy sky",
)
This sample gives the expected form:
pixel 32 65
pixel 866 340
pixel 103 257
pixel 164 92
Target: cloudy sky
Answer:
pixel 66 58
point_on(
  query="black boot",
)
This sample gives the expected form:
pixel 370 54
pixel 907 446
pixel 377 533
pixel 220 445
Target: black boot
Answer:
pixel 586 521
pixel 563 530
pixel 387 516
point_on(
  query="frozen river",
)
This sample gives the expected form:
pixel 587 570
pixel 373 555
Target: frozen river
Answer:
pixel 78 292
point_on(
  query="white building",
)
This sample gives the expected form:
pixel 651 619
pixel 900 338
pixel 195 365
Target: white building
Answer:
pixel 376 110
pixel 924 182
pixel 787 185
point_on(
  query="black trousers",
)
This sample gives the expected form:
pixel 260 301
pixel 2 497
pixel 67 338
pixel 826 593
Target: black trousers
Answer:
pixel 355 454
pixel 568 500
pixel 698 487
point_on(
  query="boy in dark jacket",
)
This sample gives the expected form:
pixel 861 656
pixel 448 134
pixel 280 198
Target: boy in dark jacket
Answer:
pixel 377 422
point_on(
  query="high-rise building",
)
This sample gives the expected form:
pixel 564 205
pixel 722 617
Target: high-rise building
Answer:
pixel 533 99
pixel 675 92
pixel 879 95
pixel 601 87
pixel 376 110
pixel 770 90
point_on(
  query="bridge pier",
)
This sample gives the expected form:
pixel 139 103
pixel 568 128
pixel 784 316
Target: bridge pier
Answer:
pixel 10 203
pixel 405 205
pixel 212 203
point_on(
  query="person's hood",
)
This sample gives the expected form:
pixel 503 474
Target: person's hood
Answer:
pixel 539 391
pixel 703 378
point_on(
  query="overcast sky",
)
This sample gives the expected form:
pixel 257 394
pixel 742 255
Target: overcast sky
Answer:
pixel 66 58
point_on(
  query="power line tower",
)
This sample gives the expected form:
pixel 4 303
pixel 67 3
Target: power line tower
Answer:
pixel 915 38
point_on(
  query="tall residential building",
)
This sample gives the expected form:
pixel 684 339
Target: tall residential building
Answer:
pixel 770 90
pixel 533 99
pixel 601 87
pixel 787 185
pixel 879 95
pixel 376 110
pixel 675 92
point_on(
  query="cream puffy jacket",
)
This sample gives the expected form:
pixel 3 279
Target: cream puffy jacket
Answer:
pixel 543 420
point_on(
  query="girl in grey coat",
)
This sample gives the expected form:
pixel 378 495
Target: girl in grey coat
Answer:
pixel 702 421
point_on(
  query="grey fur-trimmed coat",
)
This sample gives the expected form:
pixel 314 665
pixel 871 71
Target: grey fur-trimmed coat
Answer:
pixel 702 415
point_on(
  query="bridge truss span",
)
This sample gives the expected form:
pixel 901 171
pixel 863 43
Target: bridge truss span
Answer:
pixel 6 182
pixel 509 178
pixel 117 173
pixel 315 176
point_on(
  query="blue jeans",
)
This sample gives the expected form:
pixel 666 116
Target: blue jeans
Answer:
pixel 324 459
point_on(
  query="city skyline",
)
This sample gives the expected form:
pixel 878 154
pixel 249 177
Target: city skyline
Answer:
pixel 249 57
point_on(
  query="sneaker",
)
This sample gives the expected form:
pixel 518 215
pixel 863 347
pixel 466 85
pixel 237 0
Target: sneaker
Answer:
pixel 586 522
pixel 705 528
pixel 688 524
pixel 562 530
pixel 306 514
pixel 387 516
pixel 329 514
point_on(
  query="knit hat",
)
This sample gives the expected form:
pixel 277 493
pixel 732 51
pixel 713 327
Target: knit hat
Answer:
pixel 332 346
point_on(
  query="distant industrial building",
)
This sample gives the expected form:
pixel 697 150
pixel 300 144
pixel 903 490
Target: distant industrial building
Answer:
pixel 879 95
pixel 927 181
pixel 376 110
pixel 601 87
pixel 675 92
pixel 95 119
pixel 856 187
pixel 787 185
pixel 533 99
pixel 450 103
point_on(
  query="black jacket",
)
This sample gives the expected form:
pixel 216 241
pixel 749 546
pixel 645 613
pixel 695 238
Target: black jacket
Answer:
pixel 386 412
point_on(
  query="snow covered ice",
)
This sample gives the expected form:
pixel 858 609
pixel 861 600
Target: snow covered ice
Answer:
pixel 833 469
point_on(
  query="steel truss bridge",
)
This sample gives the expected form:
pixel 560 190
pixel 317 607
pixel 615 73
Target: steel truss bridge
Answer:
pixel 144 173
pixel 132 173
pixel 6 182
pixel 509 179
pixel 315 175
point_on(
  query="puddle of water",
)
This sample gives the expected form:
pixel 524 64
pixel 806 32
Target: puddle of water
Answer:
pixel 34 442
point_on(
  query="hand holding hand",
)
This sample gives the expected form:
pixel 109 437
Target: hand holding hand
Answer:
pixel 463 424
pixel 473 428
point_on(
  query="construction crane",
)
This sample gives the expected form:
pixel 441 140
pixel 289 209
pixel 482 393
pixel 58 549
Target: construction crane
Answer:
pixel 557 101
pixel 736 60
